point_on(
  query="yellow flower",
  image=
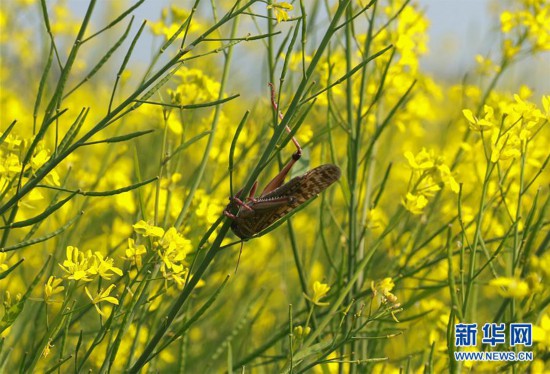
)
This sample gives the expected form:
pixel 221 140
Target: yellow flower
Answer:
pixel 480 124
pixel 528 112
pixel 430 173
pixel 422 161
pixel 415 203
pixel 447 178
pixel 103 266
pixel 47 349
pixel 171 21
pixel 39 159
pixel 320 290
pixel 375 218
pixel 76 264
pixel 381 290
pixel 13 142
pixel 531 22
pixel 10 165
pixel 306 133
pixel 538 366
pixel 207 208
pixel 505 147
pixel 486 66
pixel 510 49
pixel 195 87
pixel 173 251
pixel 510 287
pixel 281 10
pixel 507 21
pixel 385 285
pixel 174 241
pixel 102 296
pixel 541 333
pixel 410 37
pixel 52 287
pixel 175 125
pixel 134 253
pixel 145 230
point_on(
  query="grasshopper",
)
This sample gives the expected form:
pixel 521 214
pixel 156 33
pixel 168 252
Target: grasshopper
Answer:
pixel 278 198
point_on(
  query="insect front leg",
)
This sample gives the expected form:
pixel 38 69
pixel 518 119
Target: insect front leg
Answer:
pixel 235 200
pixel 280 178
pixel 229 214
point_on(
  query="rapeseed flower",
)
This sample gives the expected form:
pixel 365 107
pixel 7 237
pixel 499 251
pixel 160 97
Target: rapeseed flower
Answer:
pixel 77 264
pixel 52 287
pixel 511 287
pixel 281 10
pixel 102 296
pixel 145 229
pixel 135 252
pixel 320 290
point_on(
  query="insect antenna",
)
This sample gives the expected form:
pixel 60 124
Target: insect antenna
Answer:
pixel 239 258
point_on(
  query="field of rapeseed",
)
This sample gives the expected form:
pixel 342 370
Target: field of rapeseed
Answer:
pixel 121 140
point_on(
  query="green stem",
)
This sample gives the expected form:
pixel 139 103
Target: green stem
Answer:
pixel 477 238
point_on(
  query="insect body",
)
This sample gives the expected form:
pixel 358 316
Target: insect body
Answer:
pixel 257 214
pixel 278 198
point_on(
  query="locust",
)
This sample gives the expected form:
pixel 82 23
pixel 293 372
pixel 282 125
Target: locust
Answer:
pixel 278 199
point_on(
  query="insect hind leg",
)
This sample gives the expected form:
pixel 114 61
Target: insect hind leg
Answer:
pixel 296 156
pixel 280 178
pixel 252 193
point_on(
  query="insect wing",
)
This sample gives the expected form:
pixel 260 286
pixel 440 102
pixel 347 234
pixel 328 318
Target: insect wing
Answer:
pixel 310 184
pixel 276 204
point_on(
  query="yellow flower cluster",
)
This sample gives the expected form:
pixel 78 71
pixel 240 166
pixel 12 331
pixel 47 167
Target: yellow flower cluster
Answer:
pixel 12 151
pixel 410 36
pixel 171 20
pixel 171 247
pixel 530 21
pixel 429 174
pixel 87 266
pixel 511 131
